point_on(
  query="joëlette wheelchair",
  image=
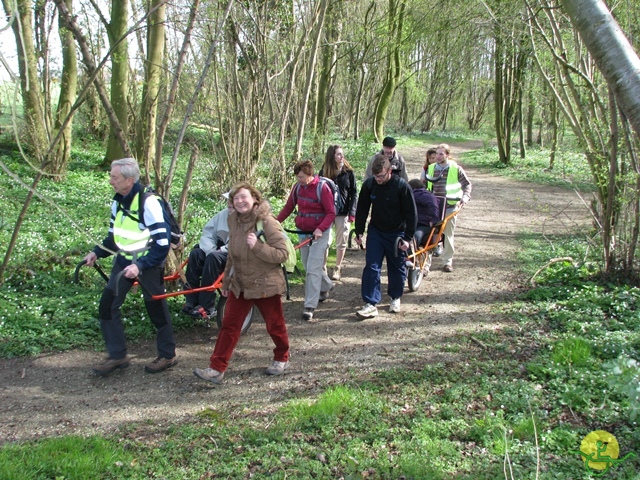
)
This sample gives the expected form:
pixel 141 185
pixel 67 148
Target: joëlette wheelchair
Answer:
pixel 178 273
pixel 419 261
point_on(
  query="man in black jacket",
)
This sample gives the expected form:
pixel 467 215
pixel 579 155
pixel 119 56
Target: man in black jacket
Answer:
pixel 393 223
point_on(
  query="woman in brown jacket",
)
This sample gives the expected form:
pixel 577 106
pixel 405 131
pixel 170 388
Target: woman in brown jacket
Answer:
pixel 252 276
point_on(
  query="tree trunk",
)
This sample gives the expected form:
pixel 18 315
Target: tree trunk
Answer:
pixel 612 52
pixel 146 131
pixel 500 98
pixel 553 112
pixel 356 120
pixel 68 90
pixel 116 31
pixel 611 207
pixel 327 70
pixel 510 66
pixel 530 115
pixel 20 220
pixel 358 60
pixel 280 176
pixel 523 146
pixel 297 154
pixel 43 23
pixel 171 98
pixel 577 88
pixel 395 21
pixel 404 111
pixel 168 180
pixel 34 121
pixel 94 75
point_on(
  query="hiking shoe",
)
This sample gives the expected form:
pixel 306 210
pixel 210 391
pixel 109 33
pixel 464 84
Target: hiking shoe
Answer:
pixel 447 268
pixel 209 374
pixel 187 309
pixel 394 307
pixel 324 295
pixel 368 311
pixel 336 274
pixel 160 364
pixel 276 368
pixel 307 314
pixel 200 312
pixel 110 365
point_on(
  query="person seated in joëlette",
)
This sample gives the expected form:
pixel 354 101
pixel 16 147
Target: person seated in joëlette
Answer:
pixel 428 211
pixel 207 261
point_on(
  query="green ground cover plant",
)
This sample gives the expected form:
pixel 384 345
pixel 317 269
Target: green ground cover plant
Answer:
pixel 519 409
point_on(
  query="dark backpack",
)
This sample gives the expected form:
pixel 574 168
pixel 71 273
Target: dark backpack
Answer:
pixel 175 233
pixel 337 198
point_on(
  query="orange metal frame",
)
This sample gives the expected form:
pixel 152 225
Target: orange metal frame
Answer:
pixel 431 244
pixel 215 286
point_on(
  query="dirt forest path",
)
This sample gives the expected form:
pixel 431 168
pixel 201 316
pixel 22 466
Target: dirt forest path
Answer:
pixel 56 394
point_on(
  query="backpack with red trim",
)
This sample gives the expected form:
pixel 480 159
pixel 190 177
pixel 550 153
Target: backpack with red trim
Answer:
pixel 176 235
pixel 338 201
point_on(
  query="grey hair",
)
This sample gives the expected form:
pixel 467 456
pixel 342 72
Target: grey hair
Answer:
pixel 128 167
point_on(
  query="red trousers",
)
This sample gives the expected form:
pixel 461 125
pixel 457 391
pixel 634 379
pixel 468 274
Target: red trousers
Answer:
pixel 235 312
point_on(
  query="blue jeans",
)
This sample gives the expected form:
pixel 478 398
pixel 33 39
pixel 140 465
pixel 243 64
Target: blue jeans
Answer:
pixel 381 245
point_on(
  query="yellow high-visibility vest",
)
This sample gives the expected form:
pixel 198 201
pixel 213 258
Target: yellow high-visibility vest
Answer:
pixel 453 188
pixel 131 237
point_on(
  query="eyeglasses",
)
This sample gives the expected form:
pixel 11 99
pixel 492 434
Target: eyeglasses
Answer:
pixel 381 176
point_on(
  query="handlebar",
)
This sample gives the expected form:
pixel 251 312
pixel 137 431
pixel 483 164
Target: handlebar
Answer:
pixel 396 246
pixel 260 233
pixel 298 232
pixel 215 286
pixel 433 179
pixel 76 274
pixel 209 288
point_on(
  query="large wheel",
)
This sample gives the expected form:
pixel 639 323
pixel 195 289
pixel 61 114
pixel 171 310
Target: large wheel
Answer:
pixel 220 315
pixel 415 276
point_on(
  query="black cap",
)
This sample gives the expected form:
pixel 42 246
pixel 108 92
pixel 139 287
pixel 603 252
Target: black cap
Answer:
pixel 389 142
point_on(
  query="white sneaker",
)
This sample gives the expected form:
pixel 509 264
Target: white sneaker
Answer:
pixel 394 307
pixel 209 374
pixel 336 274
pixel 277 368
pixel 368 311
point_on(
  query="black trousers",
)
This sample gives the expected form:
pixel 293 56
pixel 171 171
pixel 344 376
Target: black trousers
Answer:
pixel 422 234
pixel 203 270
pixel 152 282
